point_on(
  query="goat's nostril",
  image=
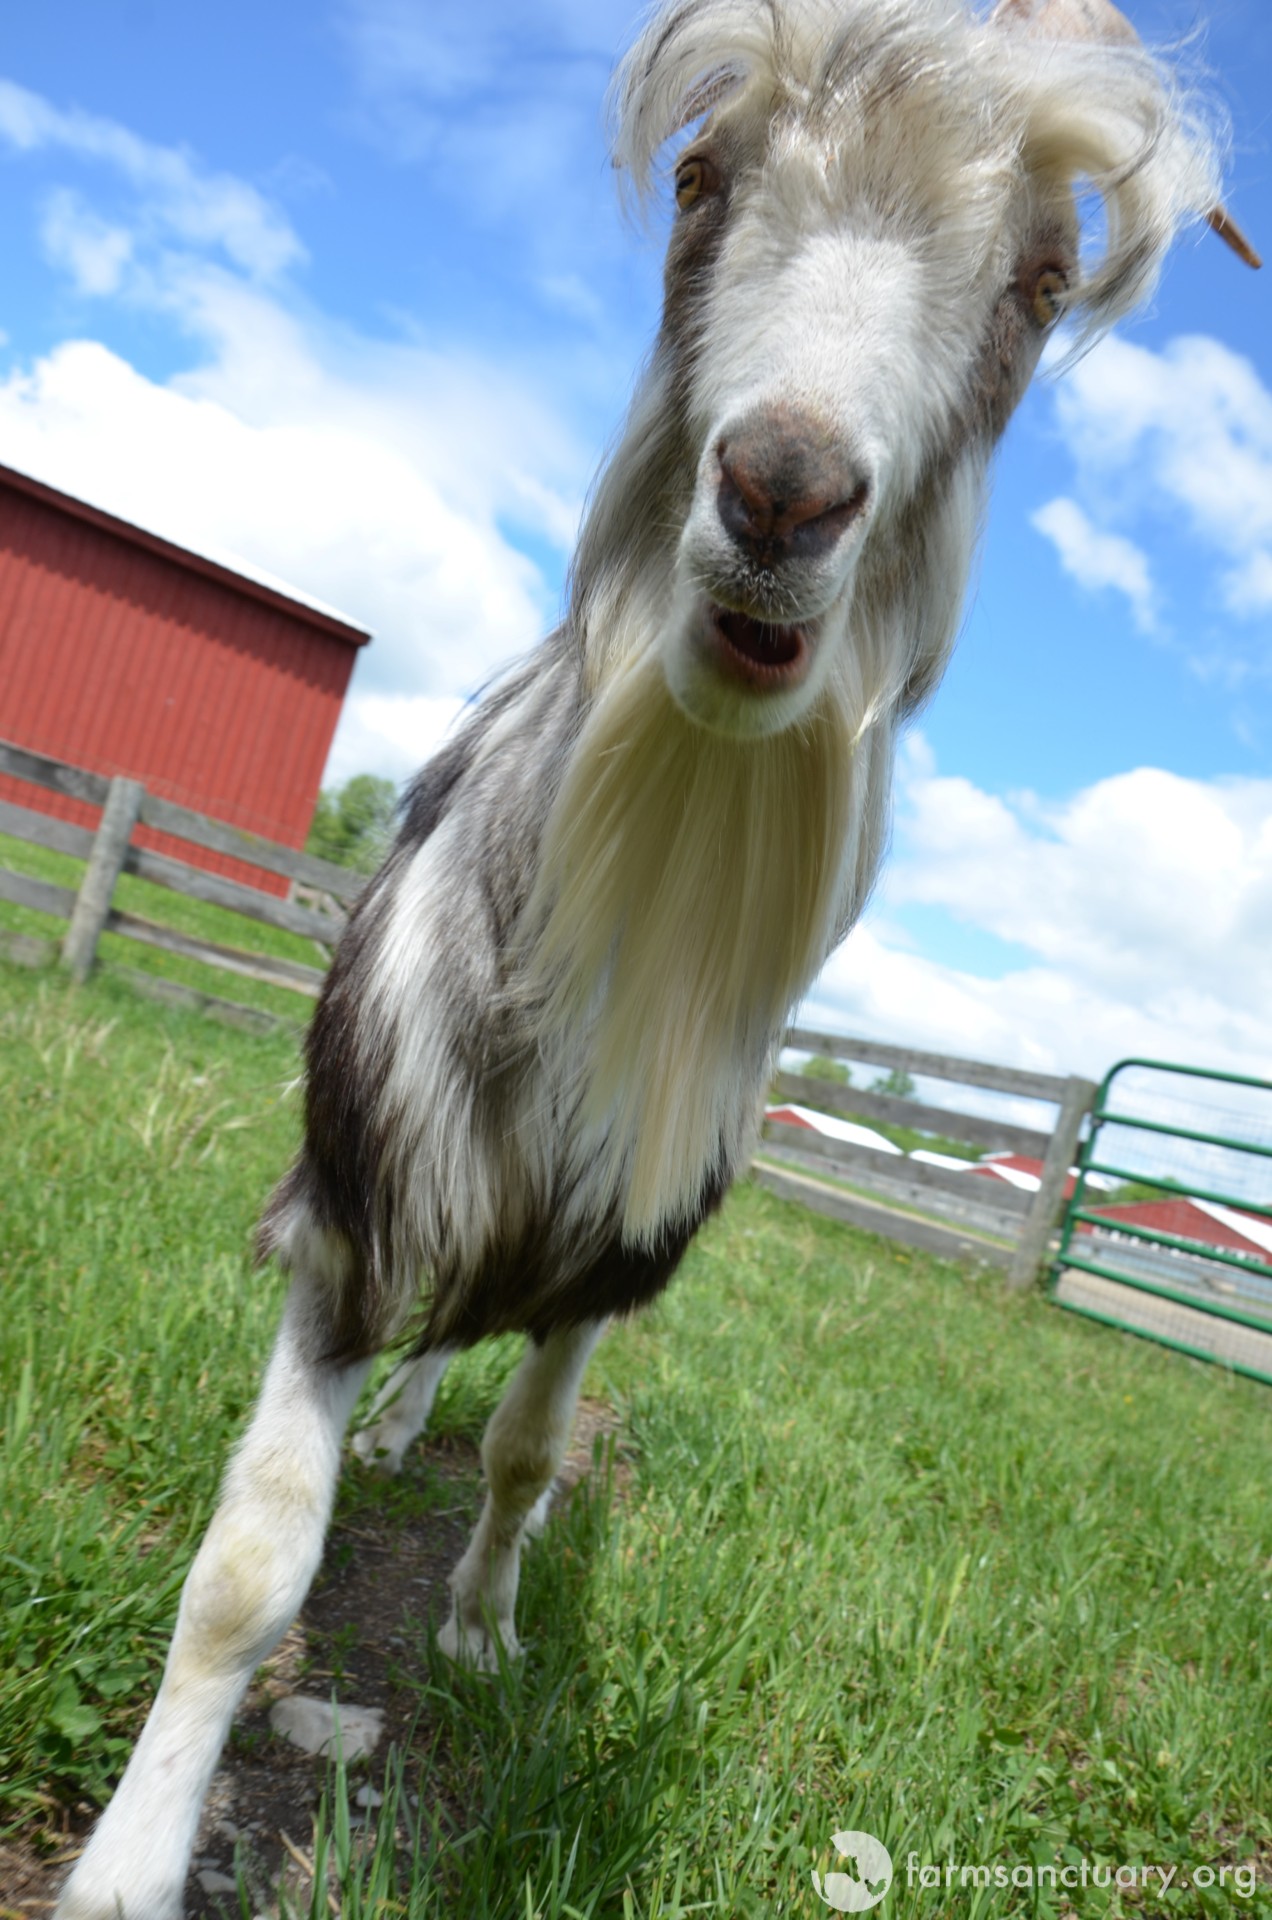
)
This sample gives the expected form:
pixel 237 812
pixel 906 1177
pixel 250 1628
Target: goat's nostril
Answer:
pixel 777 501
pixel 747 504
pixel 826 522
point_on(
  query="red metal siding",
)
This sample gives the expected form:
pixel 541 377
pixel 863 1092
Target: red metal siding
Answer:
pixel 122 655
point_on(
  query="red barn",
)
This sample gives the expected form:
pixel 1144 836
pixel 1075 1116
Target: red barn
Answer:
pixel 125 654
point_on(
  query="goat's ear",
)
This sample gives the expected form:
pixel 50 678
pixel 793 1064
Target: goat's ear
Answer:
pixel 1100 20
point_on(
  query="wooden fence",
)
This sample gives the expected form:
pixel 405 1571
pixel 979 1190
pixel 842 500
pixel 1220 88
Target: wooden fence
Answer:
pixel 945 1210
pixel 110 851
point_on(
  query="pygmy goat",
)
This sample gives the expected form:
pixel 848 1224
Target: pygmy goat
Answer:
pixel 540 1052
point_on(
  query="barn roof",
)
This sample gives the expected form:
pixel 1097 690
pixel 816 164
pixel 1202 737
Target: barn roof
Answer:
pixel 833 1127
pixel 240 576
pixel 1199 1220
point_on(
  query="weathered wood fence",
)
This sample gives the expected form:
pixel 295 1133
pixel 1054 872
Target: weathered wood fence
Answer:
pixel 110 851
pixel 945 1210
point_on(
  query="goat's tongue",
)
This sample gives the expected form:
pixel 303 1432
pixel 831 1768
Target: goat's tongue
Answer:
pixel 758 642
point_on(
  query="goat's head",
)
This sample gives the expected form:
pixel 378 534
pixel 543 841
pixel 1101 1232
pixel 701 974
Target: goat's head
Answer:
pixel 876 232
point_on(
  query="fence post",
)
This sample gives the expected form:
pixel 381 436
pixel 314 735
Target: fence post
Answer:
pixel 1079 1096
pixel 105 864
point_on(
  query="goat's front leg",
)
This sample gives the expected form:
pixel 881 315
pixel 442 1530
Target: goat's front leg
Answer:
pixel 243 1591
pixel 401 1409
pixel 521 1451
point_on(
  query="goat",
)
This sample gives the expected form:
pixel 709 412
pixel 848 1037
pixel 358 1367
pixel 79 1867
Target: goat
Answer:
pixel 538 1059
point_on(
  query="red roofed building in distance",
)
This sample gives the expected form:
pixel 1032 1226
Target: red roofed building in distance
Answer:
pixel 1018 1170
pixel 126 654
pixel 1205 1222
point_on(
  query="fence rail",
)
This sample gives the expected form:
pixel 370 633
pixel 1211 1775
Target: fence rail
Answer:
pixel 111 850
pixel 932 1066
pixel 1000 1136
pixel 960 1214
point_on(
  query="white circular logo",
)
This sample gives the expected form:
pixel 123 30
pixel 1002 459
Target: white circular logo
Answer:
pixel 866 1885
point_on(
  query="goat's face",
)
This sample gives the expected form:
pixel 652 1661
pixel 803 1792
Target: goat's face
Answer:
pixel 876 228
pixel 850 334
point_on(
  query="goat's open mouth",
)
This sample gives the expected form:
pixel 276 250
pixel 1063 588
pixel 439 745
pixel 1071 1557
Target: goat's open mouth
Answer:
pixel 759 653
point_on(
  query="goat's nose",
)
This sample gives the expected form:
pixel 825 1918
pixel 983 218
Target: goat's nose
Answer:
pixel 786 491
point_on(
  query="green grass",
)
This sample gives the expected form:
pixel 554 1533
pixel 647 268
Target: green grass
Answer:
pixel 898 1552
pixel 170 909
pixel 133 1148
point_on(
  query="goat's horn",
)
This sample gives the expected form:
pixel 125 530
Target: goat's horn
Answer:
pixel 1100 20
pixel 1068 19
pixel 1230 233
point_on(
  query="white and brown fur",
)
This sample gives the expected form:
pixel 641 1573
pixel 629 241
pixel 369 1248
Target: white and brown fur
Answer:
pixel 541 1050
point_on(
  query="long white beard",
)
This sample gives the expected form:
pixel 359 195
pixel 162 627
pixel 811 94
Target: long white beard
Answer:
pixel 690 888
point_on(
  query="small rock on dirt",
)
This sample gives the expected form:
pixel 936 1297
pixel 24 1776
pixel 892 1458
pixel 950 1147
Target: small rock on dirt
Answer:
pixel 217 1882
pixel 313 1725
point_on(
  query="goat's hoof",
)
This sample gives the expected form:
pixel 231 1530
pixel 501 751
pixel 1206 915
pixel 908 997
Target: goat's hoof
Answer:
pixel 478 1645
pixel 377 1452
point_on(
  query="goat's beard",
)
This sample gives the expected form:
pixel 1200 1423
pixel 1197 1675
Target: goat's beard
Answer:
pixel 690 888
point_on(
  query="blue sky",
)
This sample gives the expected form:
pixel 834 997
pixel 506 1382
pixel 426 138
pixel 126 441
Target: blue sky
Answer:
pixel 342 291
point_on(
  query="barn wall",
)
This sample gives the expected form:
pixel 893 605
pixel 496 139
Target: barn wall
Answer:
pixel 116 656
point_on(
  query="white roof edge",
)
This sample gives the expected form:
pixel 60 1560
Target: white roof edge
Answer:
pixel 836 1129
pixel 1257 1232
pixel 201 549
pixel 235 563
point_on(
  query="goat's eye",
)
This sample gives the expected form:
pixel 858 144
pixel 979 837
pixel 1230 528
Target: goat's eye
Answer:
pixel 1047 298
pixel 694 178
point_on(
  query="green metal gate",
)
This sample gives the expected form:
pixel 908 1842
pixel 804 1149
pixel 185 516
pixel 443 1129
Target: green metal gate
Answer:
pixel 1168 1233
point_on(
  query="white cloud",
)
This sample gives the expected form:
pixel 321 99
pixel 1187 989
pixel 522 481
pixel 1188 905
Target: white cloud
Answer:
pixel 181 199
pixel 314 490
pixel 389 734
pixel 570 295
pixel 427 60
pixel 503 104
pixel 1098 560
pixel 93 251
pixel 1146 899
pixel 1041 1019
pixel 1186 432
pixel 1249 586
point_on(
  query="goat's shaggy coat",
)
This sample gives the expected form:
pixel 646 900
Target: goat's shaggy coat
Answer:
pixel 538 1059
pixel 539 1056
